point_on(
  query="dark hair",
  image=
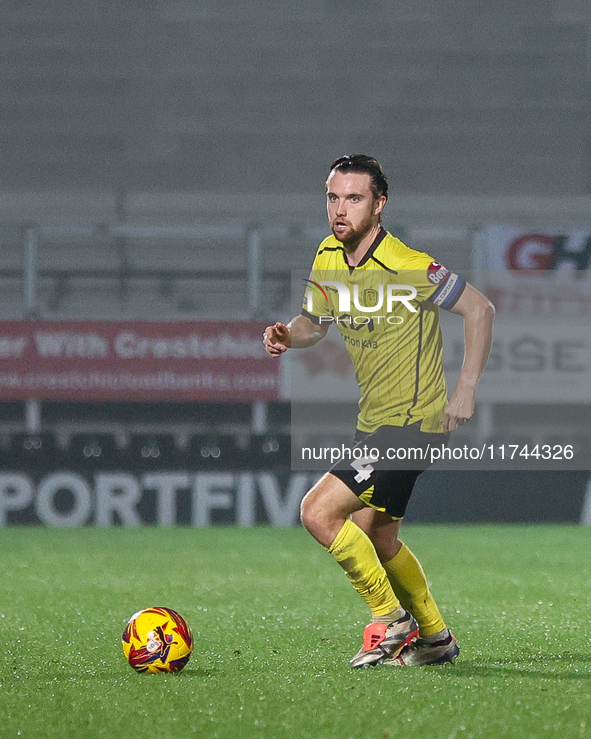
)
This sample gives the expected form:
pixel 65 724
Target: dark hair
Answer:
pixel 367 164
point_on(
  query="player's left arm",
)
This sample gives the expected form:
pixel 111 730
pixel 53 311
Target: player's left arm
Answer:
pixel 478 313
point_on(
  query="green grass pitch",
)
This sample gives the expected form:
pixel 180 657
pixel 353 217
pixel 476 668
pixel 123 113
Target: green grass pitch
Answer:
pixel 275 622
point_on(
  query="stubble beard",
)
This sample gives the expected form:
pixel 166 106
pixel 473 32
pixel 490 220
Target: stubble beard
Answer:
pixel 355 236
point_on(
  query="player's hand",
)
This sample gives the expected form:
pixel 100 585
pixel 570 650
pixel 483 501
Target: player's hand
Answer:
pixel 276 339
pixel 459 410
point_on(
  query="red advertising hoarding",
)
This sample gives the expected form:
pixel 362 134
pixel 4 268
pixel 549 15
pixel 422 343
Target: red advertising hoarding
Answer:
pixel 135 360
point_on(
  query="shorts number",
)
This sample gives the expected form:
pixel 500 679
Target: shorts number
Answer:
pixel 363 467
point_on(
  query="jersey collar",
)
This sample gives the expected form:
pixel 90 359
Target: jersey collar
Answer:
pixel 370 252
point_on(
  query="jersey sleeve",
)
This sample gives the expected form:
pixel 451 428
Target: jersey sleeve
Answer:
pixel 434 282
pixel 448 288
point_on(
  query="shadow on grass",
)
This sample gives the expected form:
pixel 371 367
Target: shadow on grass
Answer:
pixel 193 671
pixel 569 667
pixel 104 675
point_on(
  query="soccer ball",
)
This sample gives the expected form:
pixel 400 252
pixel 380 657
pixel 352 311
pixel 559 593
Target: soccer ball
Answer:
pixel 157 640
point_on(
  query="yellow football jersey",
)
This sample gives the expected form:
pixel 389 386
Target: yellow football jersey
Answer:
pixel 387 310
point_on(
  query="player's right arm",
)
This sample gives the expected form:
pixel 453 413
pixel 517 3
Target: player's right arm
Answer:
pixel 299 333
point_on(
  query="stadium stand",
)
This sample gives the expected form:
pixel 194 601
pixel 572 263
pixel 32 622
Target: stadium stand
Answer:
pixel 462 88
pixel 479 115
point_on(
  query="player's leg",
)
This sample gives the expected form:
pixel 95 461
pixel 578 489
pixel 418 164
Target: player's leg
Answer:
pixel 436 643
pixel 388 498
pixel 403 569
pixel 325 514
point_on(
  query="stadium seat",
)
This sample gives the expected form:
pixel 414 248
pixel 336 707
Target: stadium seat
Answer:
pixel 153 450
pixel 220 451
pixel 35 450
pixel 94 450
pixel 266 451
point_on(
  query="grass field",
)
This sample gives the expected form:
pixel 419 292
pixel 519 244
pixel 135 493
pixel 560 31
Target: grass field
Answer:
pixel 275 622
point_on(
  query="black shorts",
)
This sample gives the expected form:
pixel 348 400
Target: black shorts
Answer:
pixel 386 464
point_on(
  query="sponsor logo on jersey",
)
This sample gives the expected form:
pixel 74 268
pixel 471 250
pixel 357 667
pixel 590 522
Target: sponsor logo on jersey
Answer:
pixel 436 273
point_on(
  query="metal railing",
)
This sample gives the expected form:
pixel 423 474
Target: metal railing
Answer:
pixel 251 236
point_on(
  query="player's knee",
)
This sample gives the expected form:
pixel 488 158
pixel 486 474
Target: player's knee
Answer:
pixel 314 516
pixel 320 520
pixel 308 512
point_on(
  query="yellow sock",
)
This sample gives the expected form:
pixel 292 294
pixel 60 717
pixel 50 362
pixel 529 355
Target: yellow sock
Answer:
pixel 410 585
pixel 354 551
